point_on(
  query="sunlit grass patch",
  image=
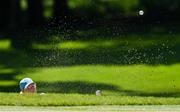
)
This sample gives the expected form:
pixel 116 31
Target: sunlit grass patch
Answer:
pixel 7 77
pixel 87 44
pixel 5 44
pixel 140 79
pixel 96 44
pixel 6 83
pixel 81 100
pixel 5 70
pixel 77 44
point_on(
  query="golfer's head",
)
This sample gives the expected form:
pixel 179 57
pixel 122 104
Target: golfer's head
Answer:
pixel 27 85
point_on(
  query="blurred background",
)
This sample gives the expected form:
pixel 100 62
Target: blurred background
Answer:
pixel 20 16
pixel 72 39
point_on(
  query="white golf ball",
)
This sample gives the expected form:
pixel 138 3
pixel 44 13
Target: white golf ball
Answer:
pixel 42 93
pixel 98 93
pixel 141 12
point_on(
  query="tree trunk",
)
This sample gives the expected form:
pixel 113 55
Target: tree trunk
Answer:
pixel 9 13
pixel 14 15
pixel 35 12
pixel 61 12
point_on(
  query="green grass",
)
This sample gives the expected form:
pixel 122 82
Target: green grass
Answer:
pixel 124 80
pixel 91 44
pixel 141 69
pixel 121 85
pixel 77 100
pixel 5 44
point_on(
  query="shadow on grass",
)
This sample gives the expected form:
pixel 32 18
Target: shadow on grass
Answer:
pixel 118 54
pixel 81 87
pixel 90 88
pixel 74 87
pixel 10 88
pixel 159 49
pixel 65 87
pixel 8 76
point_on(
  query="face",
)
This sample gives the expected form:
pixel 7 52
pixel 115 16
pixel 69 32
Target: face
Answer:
pixel 30 89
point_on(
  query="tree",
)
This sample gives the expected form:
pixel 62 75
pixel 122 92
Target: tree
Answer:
pixel 162 9
pixel 10 13
pixel 61 12
pixel 35 12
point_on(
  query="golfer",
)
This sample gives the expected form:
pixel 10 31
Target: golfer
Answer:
pixel 27 86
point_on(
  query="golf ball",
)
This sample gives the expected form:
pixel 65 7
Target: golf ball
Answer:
pixel 98 93
pixel 42 93
pixel 141 12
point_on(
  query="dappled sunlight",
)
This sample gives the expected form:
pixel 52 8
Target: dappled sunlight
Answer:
pixel 6 70
pixel 142 78
pixel 123 51
pixel 87 44
pixel 8 83
pixel 136 65
pixel 104 6
pixel 89 52
pixel 77 45
pixel 7 78
pixel 133 42
pixel 5 44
